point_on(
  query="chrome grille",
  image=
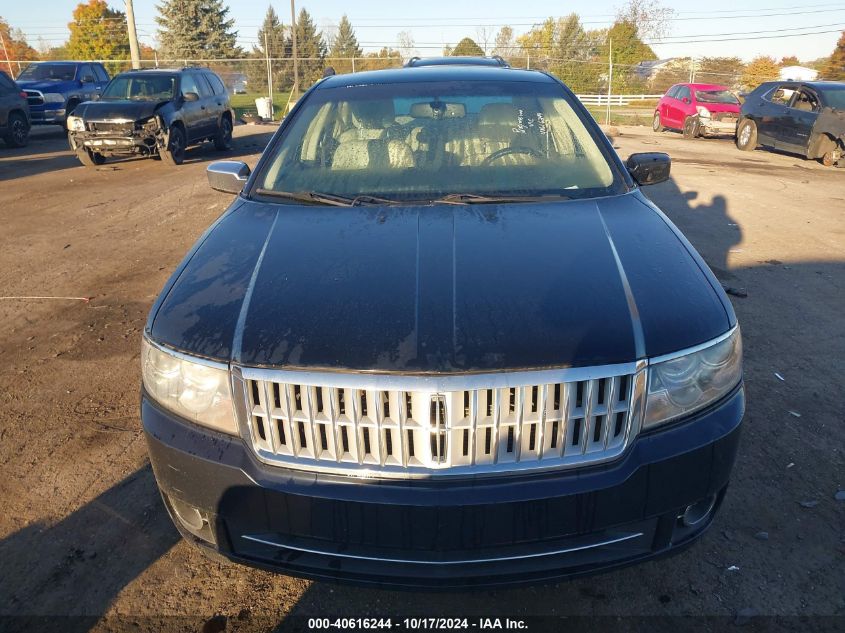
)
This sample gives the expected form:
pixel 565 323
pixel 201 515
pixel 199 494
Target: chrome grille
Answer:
pixel 34 97
pixel 406 426
pixel 121 128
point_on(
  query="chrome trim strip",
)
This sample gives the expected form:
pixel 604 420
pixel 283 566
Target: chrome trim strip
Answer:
pixel 405 561
pixel 694 348
pixel 438 382
pixel 199 360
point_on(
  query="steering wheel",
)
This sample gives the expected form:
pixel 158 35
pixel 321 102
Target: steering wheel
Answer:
pixel 507 151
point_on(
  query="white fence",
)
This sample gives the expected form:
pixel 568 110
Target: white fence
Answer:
pixel 614 100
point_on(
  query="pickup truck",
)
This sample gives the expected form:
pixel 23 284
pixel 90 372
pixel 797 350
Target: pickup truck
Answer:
pixel 54 89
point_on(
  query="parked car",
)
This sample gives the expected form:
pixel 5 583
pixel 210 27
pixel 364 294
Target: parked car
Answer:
pixel 697 110
pixel 153 113
pixel 54 89
pixel 802 118
pixel 441 338
pixel 14 113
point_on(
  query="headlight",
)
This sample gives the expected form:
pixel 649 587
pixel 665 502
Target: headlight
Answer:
pixel 703 112
pixel 53 97
pixel 75 124
pixel 681 385
pixel 195 389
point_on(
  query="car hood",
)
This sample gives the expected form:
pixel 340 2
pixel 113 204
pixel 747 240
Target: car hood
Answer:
pixel 441 288
pixel 46 85
pixel 107 109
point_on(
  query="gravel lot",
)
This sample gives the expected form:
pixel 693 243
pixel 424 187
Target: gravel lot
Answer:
pixel 83 532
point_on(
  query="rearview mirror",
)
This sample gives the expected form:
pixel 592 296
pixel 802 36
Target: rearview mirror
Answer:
pixel 190 96
pixel 649 168
pixel 228 175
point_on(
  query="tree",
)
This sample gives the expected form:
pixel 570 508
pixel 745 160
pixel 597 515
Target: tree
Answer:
pixel 650 18
pixel 196 29
pixel 835 67
pixel 407 46
pixel 273 43
pixel 503 44
pixel 16 48
pixel 760 69
pixel 385 58
pixel 311 50
pixel 720 70
pixel 628 51
pixel 345 45
pixel 790 60
pixel 467 48
pixel 97 32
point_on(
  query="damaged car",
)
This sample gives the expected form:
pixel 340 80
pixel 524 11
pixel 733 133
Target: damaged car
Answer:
pixel 800 118
pixel 152 113
pixel 697 110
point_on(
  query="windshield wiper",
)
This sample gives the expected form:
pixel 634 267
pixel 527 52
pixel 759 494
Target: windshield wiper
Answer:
pixel 330 199
pixel 471 198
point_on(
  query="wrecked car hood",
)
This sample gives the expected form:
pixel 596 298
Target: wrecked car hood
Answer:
pixel 108 109
pixel 441 288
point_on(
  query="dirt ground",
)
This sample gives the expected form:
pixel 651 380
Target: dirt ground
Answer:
pixel 83 532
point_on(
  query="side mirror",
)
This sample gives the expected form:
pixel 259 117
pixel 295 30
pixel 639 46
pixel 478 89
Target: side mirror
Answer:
pixel 649 168
pixel 685 99
pixel 87 79
pixel 191 96
pixel 227 175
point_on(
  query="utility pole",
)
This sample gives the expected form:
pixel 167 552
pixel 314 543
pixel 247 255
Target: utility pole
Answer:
pixel 134 50
pixel 609 80
pixel 6 55
pixel 269 74
pixel 293 39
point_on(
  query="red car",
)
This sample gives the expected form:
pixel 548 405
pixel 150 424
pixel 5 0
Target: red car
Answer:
pixel 697 110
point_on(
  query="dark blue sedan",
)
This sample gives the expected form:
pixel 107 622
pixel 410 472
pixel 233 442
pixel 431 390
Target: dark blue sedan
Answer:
pixel 440 338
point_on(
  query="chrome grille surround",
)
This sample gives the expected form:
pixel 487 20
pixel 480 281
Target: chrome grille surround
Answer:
pixel 407 426
pixel 34 97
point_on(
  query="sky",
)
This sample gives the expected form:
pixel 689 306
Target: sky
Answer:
pixel 807 29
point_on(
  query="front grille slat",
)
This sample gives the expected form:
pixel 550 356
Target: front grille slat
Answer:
pixel 399 432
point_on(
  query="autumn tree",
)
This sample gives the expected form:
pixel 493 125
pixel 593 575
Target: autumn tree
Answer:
pixel 759 70
pixel 385 58
pixel 16 48
pixel 504 44
pixel 97 32
pixel 835 67
pixel 344 46
pixel 199 29
pixel 790 60
pixel 467 48
pixel 311 50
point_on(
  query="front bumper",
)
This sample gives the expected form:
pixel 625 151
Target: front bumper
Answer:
pixel 439 534
pixel 712 127
pixel 138 142
pixel 47 116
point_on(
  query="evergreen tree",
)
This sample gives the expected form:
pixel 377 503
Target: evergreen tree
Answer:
pixel 345 44
pixel 311 50
pixel 196 29
pixel 274 43
pixel 467 47
pixel 835 67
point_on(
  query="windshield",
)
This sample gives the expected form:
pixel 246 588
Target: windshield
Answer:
pixel 140 88
pixel 835 97
pixel 42 72
pixel 716 96
pixel 426 141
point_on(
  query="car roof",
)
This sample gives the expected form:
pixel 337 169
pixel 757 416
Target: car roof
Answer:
pixel 62 62
pixel 442 72
pixel 460 60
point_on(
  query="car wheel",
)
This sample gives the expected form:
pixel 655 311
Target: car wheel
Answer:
pixel 656 124
pixel 223 138
pixel 691 127
pixel 175 152
pixel 746 135
pixel 89 158
pixel 18 134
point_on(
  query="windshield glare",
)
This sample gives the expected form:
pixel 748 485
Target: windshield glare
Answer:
pixel 716 96
pixel 42 72
pixel 146 88
pixel 424 141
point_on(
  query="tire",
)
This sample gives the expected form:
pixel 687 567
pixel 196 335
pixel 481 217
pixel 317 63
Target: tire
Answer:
pixel 746 135
pixel 656 123
pixel 18 134
pixel 223 138
pixel 692 127
pixel 176 143
pixel 89 158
